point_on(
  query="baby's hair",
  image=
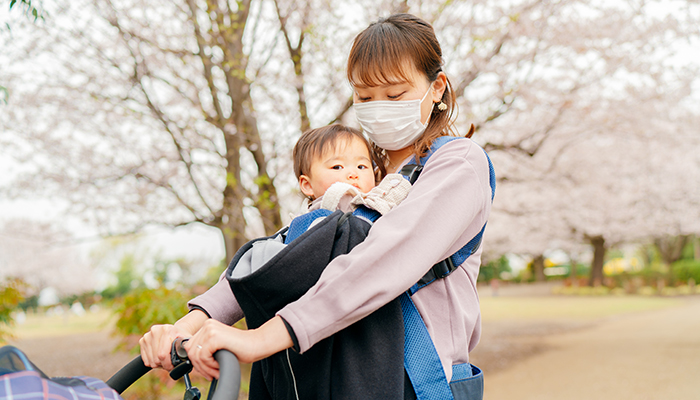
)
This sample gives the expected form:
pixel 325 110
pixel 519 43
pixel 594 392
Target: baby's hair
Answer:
pixel 314 142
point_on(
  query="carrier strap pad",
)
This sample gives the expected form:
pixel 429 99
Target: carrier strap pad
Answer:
pixel 445 267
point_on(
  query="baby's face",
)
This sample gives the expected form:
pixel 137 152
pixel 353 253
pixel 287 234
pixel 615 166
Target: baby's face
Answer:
pixel 348 162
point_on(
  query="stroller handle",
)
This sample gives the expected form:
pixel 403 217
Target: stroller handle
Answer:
pixel 129 374
pixel 226 389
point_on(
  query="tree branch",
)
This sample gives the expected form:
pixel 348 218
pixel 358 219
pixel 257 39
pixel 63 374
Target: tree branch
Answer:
pixel 296 55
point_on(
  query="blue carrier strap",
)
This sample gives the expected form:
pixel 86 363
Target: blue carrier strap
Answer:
pixel 448 265
pixel 301 224
pixel 366 214
pixel 421 359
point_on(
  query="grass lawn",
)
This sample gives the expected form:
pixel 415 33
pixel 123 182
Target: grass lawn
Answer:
pixel 42 325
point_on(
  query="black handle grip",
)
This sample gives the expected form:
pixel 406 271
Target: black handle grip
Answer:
pixel 129 374
pixel 227 387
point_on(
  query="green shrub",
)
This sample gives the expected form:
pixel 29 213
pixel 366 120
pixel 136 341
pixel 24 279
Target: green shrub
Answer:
pixel 494 269
pixel 683 270
pixel 11 294
pixel 142 308
pixel 650 276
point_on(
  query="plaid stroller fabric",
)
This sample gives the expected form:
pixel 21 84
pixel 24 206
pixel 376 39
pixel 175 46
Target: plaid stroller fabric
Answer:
pixel 30 385
pixel 20 379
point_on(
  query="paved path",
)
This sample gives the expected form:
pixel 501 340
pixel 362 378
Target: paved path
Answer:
pixel 650 355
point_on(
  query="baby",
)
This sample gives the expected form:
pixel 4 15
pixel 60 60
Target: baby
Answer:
pixel 335 168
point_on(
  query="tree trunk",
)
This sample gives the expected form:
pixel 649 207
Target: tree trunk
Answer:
pixel 573 271
pixel 232 222
pixel 236 122
pixel 538 268
pixel 670 249
pixel 599 249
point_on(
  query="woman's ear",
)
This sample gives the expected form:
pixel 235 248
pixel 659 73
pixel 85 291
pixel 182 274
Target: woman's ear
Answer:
pixel 305 186
pixel 439 86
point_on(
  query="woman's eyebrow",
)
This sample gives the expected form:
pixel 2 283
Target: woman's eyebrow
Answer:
pixel 381 85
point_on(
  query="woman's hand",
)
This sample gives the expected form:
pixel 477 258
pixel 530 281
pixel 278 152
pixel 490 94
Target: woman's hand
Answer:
pixel 248 345
pixel 156 343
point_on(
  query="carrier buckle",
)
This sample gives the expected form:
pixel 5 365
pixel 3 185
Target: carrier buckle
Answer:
pixel 438 271
pixel 443 268
pixel 411 172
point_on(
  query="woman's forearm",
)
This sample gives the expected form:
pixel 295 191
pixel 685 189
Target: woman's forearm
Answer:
pixel 273 337
pixel 192 321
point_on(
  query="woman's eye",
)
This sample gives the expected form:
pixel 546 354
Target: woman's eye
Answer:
pixel 395 96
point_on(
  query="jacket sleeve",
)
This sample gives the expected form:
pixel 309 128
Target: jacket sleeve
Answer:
pixel 447 206
pixel 219 303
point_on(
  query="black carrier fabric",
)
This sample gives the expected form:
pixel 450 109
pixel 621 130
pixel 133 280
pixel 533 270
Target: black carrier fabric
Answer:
pixel 363 361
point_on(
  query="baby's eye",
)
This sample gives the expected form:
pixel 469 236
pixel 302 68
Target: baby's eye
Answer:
pixel 337 167
pixel 362 166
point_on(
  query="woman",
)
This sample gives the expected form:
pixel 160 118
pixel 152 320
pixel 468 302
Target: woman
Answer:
pixel 403 101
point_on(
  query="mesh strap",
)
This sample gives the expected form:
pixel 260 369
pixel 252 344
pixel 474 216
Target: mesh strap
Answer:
pixel 301 224
pixel 421 359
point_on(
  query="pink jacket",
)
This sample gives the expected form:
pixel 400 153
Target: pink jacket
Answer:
pixel 447 206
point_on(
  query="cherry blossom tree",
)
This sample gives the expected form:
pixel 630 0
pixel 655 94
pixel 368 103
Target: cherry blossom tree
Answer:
pixel 42 255
pixel 174 112
pixel 149 112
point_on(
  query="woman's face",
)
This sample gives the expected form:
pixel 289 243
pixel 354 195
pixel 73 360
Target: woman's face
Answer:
pixel 414 88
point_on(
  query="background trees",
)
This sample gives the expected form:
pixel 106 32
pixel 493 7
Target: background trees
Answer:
pixel 135 113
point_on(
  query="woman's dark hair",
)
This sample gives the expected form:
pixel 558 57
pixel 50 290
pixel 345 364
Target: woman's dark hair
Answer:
pixel 379 56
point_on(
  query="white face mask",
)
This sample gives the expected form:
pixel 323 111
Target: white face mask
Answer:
pixel 392 125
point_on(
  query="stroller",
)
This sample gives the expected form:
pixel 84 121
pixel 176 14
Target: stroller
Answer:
pixel 21 379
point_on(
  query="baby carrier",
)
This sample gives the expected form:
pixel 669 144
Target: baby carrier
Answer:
pixel 367 360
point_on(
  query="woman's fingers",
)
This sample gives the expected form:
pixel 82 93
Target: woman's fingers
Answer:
pixel 149 344
pixel 201 354
pixel 213 336
pixel 155 346
pixel 145 349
